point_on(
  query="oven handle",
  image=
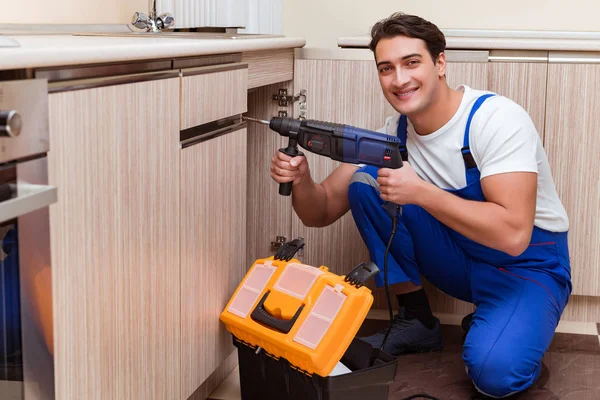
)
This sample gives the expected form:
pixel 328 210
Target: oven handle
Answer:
pixel 29 198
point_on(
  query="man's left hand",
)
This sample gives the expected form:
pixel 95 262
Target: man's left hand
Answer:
pixel 400 186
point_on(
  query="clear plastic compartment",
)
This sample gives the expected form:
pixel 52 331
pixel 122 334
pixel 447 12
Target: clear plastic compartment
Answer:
pixel 247 296
pixel 297 280
pixel 320 318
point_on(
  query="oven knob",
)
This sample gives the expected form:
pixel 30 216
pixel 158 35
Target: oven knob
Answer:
pixel 10 123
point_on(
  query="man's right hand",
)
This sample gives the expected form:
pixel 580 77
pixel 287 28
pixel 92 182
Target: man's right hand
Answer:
pixel 288 169
pixel 316 204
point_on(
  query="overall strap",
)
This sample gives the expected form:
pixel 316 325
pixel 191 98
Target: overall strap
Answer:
pixel 401 133
pixel 466 151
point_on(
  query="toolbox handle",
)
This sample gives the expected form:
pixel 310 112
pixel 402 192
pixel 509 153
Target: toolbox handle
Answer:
pixel 260 314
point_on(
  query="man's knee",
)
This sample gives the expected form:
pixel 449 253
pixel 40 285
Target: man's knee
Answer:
pixel 501 371
pixel 363 188
pixel 366 175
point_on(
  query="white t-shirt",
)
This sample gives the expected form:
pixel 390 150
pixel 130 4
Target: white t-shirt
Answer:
pixel 502 139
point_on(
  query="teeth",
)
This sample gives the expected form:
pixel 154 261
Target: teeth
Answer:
pixel 405 94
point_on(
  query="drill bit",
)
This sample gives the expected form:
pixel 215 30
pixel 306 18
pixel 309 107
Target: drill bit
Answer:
pixel 260 121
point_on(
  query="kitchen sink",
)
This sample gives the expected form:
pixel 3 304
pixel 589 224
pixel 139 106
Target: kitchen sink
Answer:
pixel 182 35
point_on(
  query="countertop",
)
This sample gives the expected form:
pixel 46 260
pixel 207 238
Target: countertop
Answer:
pixel 504 40
pixel 64 49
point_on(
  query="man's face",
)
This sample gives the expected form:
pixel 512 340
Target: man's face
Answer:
pixel 408 76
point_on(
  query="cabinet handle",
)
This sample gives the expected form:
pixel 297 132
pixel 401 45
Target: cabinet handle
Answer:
pixel 574 57
pixel 28 198
pixel 213 68
pixel 198 134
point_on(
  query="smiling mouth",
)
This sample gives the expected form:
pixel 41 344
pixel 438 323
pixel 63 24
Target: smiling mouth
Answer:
pixel 405 94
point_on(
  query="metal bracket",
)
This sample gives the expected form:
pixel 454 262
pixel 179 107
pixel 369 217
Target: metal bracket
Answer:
pixel 280 241
pixel 283 98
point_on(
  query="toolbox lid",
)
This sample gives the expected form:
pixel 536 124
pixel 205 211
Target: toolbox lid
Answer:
pixel 307 315
pixel 297 280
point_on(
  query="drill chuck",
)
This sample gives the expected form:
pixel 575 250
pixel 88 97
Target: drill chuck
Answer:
pixel 285 126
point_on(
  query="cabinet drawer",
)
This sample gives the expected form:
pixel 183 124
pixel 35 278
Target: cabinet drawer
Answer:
pixel 212 93
pixel 266 67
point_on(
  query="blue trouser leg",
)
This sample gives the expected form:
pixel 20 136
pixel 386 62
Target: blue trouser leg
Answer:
pixel 375 227
pixel 516 316
pixel 518 308
pixel 440 260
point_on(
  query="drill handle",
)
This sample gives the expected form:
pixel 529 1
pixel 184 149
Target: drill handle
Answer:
pixel 285 189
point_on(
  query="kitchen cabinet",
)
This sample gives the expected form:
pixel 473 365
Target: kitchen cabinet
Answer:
pixel 149 238
pixel 266 67
pixel 571 142
pixel 213 250
pixel 213 214
pixel 115 241
pixel 472 74
pixel 212 93
pixel 269 213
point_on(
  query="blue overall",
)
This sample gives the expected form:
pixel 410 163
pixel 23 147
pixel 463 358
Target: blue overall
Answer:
pixel 519 300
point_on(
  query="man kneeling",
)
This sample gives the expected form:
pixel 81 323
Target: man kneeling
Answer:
pixel 481 219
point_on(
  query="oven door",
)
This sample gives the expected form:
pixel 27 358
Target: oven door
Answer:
pixel 26 335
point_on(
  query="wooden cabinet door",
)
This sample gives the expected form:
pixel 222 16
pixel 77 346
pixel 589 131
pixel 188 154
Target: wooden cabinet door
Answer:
pixel 525 84
pixel 572 145
pixel 345 92
pixel 472 74
pixel 114 156
pixel 213 250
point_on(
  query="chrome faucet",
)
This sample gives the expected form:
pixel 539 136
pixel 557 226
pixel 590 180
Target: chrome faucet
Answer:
pixel 151 23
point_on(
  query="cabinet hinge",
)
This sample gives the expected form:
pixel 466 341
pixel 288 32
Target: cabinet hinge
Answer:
pixel 283 98
pixel 280 241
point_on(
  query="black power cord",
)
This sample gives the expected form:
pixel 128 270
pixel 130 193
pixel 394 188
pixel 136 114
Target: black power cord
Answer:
pixel 385 277
pixel 393 210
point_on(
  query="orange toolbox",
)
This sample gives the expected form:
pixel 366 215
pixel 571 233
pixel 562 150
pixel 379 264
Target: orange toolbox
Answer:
pixel 304 314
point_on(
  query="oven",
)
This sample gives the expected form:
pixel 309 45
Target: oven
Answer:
pixel 26 326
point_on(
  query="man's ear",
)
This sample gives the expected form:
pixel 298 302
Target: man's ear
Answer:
pixel 440 64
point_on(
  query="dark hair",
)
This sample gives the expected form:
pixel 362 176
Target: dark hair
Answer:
pixel 412 26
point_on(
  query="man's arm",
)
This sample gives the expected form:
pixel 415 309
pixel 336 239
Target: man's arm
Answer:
pixel 504 143
pixel 319 205
pixel 504 222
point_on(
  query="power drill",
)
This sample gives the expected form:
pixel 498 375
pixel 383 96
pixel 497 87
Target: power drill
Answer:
pixel 339 142
pixel 347 144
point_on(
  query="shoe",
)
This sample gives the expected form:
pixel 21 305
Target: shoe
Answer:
pixel 466 322
pixel 407 335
